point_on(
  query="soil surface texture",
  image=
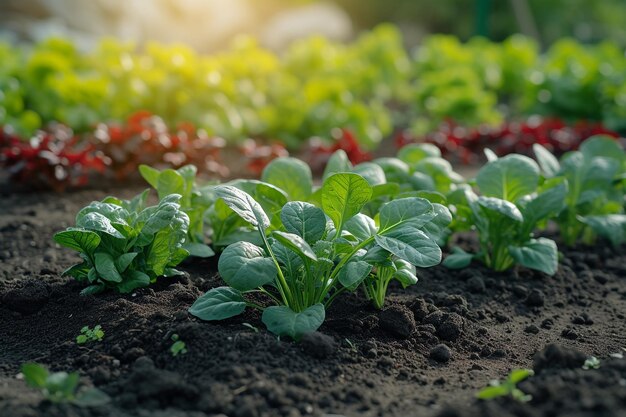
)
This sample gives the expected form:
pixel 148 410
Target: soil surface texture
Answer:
pixel 427 353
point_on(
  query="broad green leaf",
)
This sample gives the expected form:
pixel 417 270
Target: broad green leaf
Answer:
pixel 218 304
pixel 343 196
pixel 547 204
pixel 133 280
pixel 304 219
pixel 440 171
pixel 493 391
pixel 199 250
pixel 372 173
pixel 338 162
pixel 122 262
pixel 503 207
pixel 405 273
pixel 283 321
pixel 112 212
pixel 290 261
pixel 99 223
pixel 378 255
pixel 291 175
pixel 78 271
pixel 295 243
pixel 361 226
pixel 458 259
pixel 395 170
pixel 35 375
pixel 244 266
pixel 415 152
pixel 603 146
pixel 410 244
pixel 540 254
pixel 420 181
pixel 437 228
pixel 353 273
pixel 105 265
pixel 385 190
pixel 158 256
pixel 508 178
pixel 150 174
pixel 549 164
pixel 170 182
pixel 78 239
pixel 244 205
pixel 414 211
pixel 518 375
pixel 609 226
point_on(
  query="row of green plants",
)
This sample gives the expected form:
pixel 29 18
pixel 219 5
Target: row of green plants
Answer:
pixel 289 248
pixel 369 86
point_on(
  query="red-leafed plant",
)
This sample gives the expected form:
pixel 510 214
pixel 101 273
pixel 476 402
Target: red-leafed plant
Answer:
pixel 259 155
pixel 343 139
pixel 54 159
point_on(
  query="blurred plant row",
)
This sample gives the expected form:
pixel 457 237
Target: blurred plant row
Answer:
pixel 371 86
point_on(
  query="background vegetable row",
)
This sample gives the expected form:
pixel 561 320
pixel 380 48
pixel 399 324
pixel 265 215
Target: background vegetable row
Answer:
pixel 369 86
pixel 298 247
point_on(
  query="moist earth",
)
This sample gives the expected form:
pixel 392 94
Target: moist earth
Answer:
pixel 427 353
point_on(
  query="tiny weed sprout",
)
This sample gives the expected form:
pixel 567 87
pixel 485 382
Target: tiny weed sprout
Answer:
pixel 508 387
pixel 194 201
pixel 591 363
pixel 90 335
pixel 309 255
pixel 513 203
pixel 594 203
pixel 125 245
pixel 178 347
pixel 251 327
pixel 62 387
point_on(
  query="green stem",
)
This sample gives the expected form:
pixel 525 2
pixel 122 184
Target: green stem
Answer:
pixel 283 288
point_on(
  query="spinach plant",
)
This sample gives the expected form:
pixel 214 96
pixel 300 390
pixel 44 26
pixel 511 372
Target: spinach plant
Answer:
pixel 507 388
pixel 125 245
pixel 194 201
pixel 90 335
pixel 314 254
pixel 61 387
pixel 594 204
pixel 178 347
pixel 513 203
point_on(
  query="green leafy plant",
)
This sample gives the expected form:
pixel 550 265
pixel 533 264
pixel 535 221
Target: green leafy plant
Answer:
pixel 594 204
pixel 513 203
pixel 591 363
pixel 508 387
pixel 178 347
pixel 194 201
pixel 62 387
pixel 90 335
pixel 315 254
pixel 125 245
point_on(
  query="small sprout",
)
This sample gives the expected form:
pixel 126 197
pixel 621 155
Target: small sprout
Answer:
pixel 251 327
pixel 178 347
pixel 508 387
pixel 591 363
pixel 352 346
pixel 90 335
pixel 61 387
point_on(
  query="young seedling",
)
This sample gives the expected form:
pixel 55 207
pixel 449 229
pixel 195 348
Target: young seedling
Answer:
pixel 90 335
pixel 591 363
pixel 508 387
pixel 178 347
pixel 61 387
pixel 310 255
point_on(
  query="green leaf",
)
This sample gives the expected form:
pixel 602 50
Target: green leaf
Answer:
pixel 353 273
pixel 405 273
pixel 550 166
pixel 547 204
pixel 602 146
pixel 35 375
pixel 105 265
pixel 493 392
pixel 540 254
pixel 609 226
pixel 295 243
pixel 508 178
pixel 122 263
pixel 99 223
pixel 291 175
pixel 244 266
pixel 283 321
pixel 78 271
pixel 132 281
pixel 218 304
pixel 244 205
pixel 343 196
pixel 199 250
pixel 412 210
pixel 502 207
pixel 410 244
pixel 78 239
pixel 395 170
pixel 338 162
pixel 372 173
pixel 415 152
pixel 170 182
pixel 92 290
pixel 458 259
pixel 150 174
pixel 304 219
pixel 361 226
pixel 518 375
pixel 491 155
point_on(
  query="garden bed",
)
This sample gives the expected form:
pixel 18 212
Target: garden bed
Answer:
pixel 363 361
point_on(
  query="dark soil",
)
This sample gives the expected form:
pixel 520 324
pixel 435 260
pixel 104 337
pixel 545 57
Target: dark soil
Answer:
pixel 426 354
